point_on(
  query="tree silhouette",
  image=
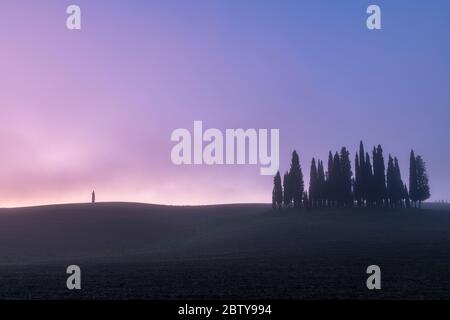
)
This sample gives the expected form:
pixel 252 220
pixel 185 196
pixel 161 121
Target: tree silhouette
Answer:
pixel 274 202
pixel 277 198
pixel 337 192
pixel 368 181
pixel 340 187
pixel 406 196
pixel 305 199
pixel 413 194
pixel 379 177
pixel 357 182
pixel 423 188
pixel 390 181
pixel 296 180
pixel 330 183
pixel 321 188
pixel 395 186
pixel 345 178
pixel 313 185
pixel 399 186
pixel 363 173
pixel 287 193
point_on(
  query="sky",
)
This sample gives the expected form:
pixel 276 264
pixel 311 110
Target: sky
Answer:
pixel 95 108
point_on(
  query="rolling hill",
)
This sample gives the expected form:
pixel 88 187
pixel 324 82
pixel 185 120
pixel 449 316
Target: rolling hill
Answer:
pixel 131 250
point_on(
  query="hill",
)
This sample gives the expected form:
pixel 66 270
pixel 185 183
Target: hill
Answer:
pixel 130 250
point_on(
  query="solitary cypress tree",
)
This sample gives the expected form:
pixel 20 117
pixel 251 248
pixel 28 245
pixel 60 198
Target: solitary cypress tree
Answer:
pixel 277 195
pixel 313 197
pixel 346 177
pixel 296 180
pixel 423 188
pixel 413 195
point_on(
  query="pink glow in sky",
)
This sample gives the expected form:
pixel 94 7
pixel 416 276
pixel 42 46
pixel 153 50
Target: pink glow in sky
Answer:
pixel 94 109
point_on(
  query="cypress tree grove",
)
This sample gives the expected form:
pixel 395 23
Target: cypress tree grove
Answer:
pixel 338 186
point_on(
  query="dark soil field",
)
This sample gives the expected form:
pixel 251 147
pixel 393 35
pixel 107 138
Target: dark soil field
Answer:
pixel 141 251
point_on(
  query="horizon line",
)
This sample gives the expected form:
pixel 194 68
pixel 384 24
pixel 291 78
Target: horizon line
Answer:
pixel 135 202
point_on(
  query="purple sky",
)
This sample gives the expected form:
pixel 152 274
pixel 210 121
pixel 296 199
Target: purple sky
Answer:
pixel 94 109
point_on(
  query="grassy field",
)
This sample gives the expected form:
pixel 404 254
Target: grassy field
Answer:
pixel 140 251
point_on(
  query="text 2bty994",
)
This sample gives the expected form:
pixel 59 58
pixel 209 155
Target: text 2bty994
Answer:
pixel 242 309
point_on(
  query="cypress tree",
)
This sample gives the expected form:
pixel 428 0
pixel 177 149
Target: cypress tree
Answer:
pixel 423 188
pixel 313 184
pixel 413 179
pixel 330 181
pixel 274 204
pixel 399 186
pixel 368 180
pixel 277 194
pixel 306 201
pixel 357 181
pixel 287 194
pixel 390 181
pixel 346 177
pixel 296 180
pixel 321 183
pixel 353 191
pixel 379 175
pixel 406 196
pixel 375 177
pixel 363 173
pixel 395 185
pixel 337 180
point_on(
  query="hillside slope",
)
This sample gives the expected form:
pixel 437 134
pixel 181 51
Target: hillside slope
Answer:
pixel 227 251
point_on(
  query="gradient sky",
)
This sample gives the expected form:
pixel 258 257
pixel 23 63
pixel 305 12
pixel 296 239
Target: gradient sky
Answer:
pixel 94 109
